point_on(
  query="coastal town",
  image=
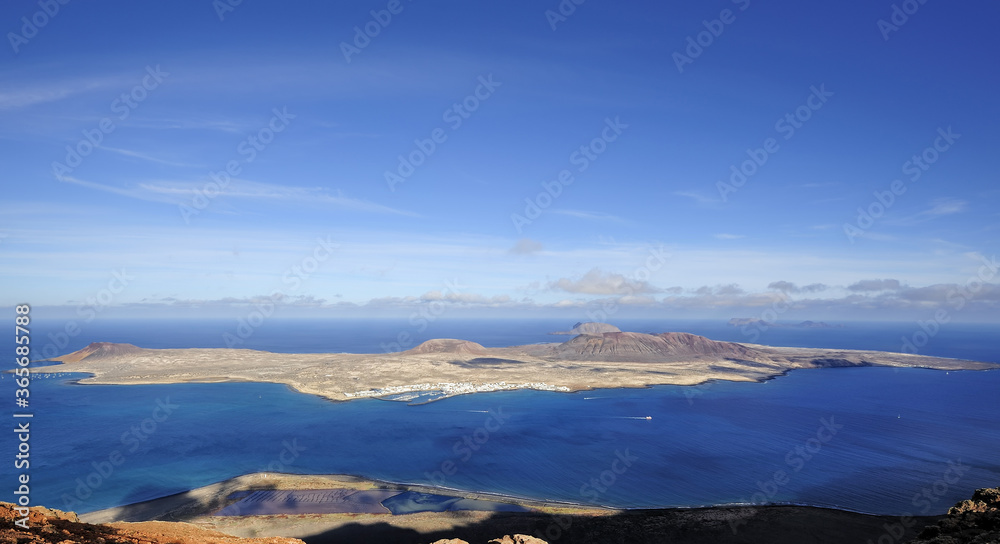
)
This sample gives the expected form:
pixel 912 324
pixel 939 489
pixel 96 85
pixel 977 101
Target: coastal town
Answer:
pixel 448 389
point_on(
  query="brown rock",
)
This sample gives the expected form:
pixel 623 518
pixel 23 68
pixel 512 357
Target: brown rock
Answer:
pixel 975 521
pixel 517 539
pixel 48 526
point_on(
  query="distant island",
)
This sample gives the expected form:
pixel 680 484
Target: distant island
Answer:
pixel 589 328
pixel 442 368
pixel 744 321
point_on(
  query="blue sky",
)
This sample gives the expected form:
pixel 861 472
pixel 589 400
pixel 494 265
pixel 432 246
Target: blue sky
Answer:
pixel 633 128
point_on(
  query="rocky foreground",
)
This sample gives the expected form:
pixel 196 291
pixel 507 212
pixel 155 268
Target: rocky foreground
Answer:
pixel 975 521
pixel 45 526
pixel 447 367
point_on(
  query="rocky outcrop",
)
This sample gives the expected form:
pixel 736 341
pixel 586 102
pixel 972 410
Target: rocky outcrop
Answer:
pixel 975 521
pixel 517 539
pixel 590 327
pixel 46 526
pixel 507 539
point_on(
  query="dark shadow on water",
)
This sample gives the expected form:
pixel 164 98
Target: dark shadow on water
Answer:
pixel 184 506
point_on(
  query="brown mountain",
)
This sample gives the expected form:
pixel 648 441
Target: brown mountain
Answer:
pixel 635 346
pixel 99 350
pixel 591 327
pixel 447 345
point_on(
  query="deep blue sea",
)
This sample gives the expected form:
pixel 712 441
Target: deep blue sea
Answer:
pixel 879 440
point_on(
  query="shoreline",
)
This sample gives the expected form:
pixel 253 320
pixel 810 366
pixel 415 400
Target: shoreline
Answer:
pixel 287 481
pixel 94 378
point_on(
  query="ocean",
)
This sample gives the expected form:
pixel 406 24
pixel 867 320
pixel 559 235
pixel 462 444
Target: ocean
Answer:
pixel 880 440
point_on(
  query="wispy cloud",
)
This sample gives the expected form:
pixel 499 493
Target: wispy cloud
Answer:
pixel 180 192
pixel 126 192
pixel 590 216
pixel 192 123
pixel 698 198
pixel 150 158
pixel 16 97
pixel 939 208
pixel 878 237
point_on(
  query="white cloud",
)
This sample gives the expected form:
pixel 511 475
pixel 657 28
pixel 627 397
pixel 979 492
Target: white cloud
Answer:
pixel 597 282
pixel 875 285
pixel 789 287
pixel 526 246
pixel 720 290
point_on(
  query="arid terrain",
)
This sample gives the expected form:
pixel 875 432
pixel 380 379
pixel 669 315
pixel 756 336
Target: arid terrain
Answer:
pixel 188 518
pixel 447 367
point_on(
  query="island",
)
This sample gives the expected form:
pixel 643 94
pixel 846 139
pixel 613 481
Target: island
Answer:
pixel 442 368
pixel 750 321
pixel 590 327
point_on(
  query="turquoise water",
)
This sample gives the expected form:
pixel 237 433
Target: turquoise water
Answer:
pixel 718 443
